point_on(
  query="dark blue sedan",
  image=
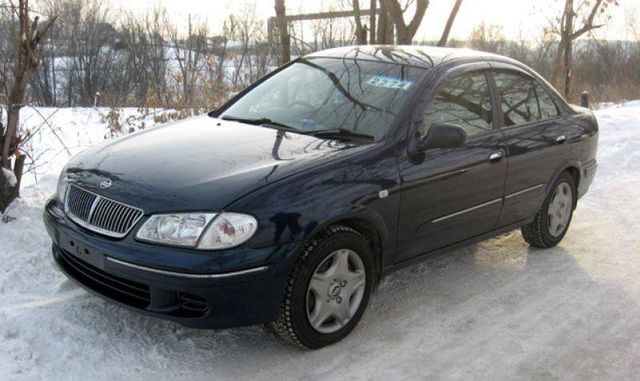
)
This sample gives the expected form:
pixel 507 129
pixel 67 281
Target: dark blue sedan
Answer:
pixel 289 203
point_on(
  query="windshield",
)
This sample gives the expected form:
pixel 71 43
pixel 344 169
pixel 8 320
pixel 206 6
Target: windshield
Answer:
pixel 327 94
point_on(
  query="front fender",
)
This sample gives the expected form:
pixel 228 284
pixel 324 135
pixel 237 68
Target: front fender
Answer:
pixel 296 208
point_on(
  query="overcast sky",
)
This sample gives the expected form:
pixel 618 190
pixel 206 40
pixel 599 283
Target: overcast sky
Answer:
pixel 517 17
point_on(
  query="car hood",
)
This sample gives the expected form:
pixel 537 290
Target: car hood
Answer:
pixel 199 164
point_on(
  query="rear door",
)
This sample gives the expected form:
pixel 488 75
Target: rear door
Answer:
pixel 449 195
pixel 538 141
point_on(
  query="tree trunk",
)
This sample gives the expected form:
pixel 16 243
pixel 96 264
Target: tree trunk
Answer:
pixel 566 66
pixel 447 27
pixel 568 48
pixel 404 32
pixel 569 32
pixel 18 171
pixel 29 43
pixel 5 197
pixel 372 22
pixel 385 26
pixel 283 31
pixel 361 34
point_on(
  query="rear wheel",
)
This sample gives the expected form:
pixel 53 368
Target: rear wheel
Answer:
pixel 328 290
pixel 552 220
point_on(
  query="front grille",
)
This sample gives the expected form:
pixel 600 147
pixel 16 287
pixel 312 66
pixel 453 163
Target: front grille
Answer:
pixel 120 289
pixel 100 214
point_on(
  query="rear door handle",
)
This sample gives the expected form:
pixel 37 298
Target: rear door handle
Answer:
pixel 561 139
pixel 496 156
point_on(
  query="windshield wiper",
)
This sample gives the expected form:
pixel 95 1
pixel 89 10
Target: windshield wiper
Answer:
pixel 263 122
pixel 342 134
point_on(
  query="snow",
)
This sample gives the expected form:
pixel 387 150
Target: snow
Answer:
pixel 10 177
pixel 497 309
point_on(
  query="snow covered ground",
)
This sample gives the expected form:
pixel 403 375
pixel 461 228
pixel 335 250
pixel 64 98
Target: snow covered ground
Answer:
pixel 498 309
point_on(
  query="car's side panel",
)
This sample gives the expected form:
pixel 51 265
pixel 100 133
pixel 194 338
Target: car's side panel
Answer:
pixel 449 195
pixel 535 150
pixel 533 154
pixel 588 126
pixel 362 187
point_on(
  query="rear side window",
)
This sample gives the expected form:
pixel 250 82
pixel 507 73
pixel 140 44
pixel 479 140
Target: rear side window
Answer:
pixel 548 108
pixel 518 98
pixel 464 101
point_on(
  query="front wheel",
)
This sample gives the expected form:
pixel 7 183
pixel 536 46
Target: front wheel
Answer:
pixel 552 220
pixel 328 290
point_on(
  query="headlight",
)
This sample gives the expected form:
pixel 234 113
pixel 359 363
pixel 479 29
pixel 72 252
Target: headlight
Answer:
pixel 62 187
pixel 205 231
pixel 228 230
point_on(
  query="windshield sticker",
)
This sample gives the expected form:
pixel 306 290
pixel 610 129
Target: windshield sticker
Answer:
pixel 389 82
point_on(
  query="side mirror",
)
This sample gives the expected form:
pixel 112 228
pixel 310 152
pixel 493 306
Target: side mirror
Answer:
pixel 444 136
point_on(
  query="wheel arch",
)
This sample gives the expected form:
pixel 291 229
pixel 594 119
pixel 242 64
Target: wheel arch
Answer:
pixel 575 173
pixel 573 169
pixel 374 232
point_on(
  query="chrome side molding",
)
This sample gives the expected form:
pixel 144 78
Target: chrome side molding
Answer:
pixel 439 219
pixel 186 275
pixel 518 193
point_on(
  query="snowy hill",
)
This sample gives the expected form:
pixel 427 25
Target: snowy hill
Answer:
pixel 498 309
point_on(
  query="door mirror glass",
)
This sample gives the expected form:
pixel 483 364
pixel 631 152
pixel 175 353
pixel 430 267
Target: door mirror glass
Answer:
pixel 444 136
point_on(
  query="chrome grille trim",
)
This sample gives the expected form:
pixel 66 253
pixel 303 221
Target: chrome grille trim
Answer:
pixel 100 214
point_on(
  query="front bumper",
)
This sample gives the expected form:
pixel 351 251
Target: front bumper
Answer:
pixel 243 286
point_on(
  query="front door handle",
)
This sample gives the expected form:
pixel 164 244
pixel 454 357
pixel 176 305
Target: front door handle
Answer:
pixel 496 156
pixel 561 139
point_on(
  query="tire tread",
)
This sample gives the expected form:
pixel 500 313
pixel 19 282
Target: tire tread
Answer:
pixel 533 233
pixel 284 325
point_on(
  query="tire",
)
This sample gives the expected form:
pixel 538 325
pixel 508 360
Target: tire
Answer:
pixel 554 217
pixel 322 257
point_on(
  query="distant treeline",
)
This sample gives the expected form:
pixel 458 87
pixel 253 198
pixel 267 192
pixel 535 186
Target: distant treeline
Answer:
pixel 93 55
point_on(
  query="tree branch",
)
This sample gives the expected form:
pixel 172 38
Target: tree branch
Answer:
pixel 588 25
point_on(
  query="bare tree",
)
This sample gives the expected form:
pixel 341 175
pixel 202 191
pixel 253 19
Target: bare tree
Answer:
pixel 405 32
pixel 283 31
pixel 188 53
pixel 44 81
pixel 447 27
pixel 146 63
pixel 384 31
pixel 372 21
pixel 574 22
pixel 488 38
pixel 361 32
pixel 29 36
pixel 248 57
pixel 90 34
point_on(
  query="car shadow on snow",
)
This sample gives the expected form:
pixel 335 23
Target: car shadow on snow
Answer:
pixel 497 306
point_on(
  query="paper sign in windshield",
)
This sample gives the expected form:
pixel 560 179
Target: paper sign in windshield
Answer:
pixel 389 82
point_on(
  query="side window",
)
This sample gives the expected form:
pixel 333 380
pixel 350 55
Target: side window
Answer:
pixel 548 108
pixel 518 98
pixel 464 101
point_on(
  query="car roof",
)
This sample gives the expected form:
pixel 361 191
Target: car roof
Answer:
pixel 427 57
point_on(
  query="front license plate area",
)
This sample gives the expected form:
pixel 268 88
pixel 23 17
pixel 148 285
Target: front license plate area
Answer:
pixel 82 251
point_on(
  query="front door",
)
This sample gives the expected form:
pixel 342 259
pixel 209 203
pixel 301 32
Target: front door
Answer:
pixel 449 195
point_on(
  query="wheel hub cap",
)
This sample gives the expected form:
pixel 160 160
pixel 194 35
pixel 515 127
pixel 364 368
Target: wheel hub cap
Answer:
pixel 335 291
pixel 559 211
